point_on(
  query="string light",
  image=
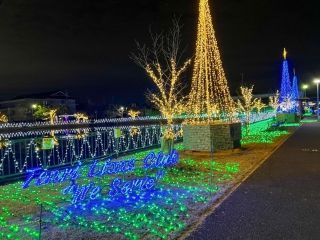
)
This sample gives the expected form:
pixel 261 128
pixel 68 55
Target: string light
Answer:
pixel 72 124
pixel 133 114
pixel 285 92
pixel 70 148
pixel 248 103
pixel 288 105
pixel 288 102
pixel 209 90
pixel 3 118
pixel 295 88
pixel 80 117
pixel 274 101
pixel 159 212
pixel 260 105
pixel 72 145
pixel 161 63
pixel 260 132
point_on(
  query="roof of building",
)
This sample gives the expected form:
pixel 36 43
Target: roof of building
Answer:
pixel 44 95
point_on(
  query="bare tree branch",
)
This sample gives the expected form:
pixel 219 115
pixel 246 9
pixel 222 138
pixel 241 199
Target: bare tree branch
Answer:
pixel 161 63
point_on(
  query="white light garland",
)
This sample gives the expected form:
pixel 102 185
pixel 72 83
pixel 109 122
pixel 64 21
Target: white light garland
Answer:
pixel 82 143
pixel 96 143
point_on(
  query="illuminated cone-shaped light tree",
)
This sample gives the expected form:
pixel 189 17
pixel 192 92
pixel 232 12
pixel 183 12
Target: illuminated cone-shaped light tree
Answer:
pixel 295 88
pixel 285 92
pixel 209 94
pixel 210 99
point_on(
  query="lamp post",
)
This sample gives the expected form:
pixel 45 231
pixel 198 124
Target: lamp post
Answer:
pixel 121 111
pixel 33 107
pixel 317 81
pixel 305 87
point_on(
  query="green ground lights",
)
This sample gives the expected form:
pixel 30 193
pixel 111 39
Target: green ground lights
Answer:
pixel 262 132
pixel 156 214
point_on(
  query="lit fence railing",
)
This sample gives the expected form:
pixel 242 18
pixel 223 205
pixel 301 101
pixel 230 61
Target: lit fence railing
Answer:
pixel 17 155
pixel 257 117
pixel 22 150
pixel 254 117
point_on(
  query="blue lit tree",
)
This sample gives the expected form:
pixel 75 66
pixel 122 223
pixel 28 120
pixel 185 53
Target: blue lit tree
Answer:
pixel 285 91
pixel 295 89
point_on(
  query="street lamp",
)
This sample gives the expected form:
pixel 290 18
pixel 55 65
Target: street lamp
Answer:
pixel 305 87
pixel 317 81
pixel 121 111
pixel 33 107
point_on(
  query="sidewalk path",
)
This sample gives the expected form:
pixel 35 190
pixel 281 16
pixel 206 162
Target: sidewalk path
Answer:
pixel 281 200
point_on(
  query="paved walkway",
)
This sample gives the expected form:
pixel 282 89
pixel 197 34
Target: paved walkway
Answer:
pixel 281 200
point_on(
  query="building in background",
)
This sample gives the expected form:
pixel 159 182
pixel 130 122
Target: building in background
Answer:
pixel 21 108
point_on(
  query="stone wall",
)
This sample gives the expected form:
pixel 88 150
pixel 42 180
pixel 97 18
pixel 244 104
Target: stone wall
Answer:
pixel 205 138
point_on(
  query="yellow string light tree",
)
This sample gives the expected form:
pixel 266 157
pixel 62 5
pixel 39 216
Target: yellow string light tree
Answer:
pixel 80 117
pixel 274 101
pixel 3 118
pixel 163 62
pixel 212 126
pixel 210 93
pixel 133 114
pixel 260 105
pixel 247 103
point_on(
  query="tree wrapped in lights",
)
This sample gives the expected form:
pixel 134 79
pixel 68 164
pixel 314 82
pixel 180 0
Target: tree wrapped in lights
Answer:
pixel 295 89
pixel 45 113
pixel 274 101
pixel 51 115
pixel 161 62
pixel 285 92
pixel 260 105
pixel 287 102
pixel 81 117
pixel 3 118
pixel 4 143
pixel 247 103
pixel 209 89
pixel 133 114
pixel 288 105
pixel 134 130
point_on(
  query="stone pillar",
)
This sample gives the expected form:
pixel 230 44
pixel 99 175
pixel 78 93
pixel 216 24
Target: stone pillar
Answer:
pixel 205 138
pixel 167 145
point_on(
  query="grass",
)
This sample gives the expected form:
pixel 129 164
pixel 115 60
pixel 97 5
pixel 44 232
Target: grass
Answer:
pixel 260 133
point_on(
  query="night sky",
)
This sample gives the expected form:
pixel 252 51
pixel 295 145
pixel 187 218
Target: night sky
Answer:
pixel 83 46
